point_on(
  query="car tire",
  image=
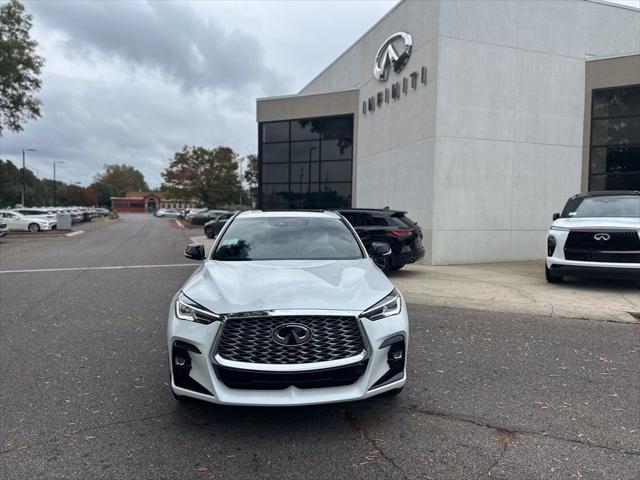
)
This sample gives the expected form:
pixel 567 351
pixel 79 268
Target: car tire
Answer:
pixel 551 277
pixel 34 227
pixel 395 268
pixel 208 232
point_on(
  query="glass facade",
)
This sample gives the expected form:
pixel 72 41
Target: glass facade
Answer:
pixel 614 161
pixel 305 163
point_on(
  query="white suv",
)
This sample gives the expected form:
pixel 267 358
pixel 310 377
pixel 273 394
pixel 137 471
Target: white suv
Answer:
pixel 596 233
pixel 288 309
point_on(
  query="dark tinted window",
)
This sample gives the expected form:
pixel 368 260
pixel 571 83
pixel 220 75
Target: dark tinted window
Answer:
pixel 305 151
pixel 275 152
pixel 275 132
pixel 341 127
pixel 336 149
pixel 311 169
pixel 287 238
pixel 275 173
pixel 615 139
pixel 616 102
pixel 336 171
pixel 613 206
pixel 616 131
pixel 305 172
pixel 305 130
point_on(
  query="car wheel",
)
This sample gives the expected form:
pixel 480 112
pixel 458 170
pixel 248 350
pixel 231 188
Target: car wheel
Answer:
pixel 34 227
pixel 208 232
pixel 551 277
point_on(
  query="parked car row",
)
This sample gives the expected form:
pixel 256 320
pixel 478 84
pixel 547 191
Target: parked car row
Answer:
pixel 34 219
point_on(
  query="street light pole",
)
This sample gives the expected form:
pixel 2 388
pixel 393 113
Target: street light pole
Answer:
pixel 241 160
pixel 54 180
pixel 24 175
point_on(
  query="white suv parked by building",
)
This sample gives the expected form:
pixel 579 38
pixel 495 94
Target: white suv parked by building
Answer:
pixel 596 233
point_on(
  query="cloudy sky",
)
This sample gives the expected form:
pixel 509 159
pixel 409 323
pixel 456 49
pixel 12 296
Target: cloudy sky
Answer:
pixel 133 81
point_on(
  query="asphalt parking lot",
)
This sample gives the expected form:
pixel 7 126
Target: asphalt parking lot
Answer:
pixel 84 384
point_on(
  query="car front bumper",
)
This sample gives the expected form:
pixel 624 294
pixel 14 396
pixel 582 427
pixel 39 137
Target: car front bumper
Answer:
pixel 203 365
pixel 558 264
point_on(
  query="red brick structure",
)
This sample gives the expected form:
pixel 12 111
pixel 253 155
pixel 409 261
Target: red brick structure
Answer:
pixel 148 202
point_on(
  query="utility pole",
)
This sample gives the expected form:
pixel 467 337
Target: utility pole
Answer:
pixel 54 180
pixel 24 174
pixel 241 160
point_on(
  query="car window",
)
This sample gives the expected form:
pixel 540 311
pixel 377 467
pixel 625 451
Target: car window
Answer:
pixel 287 238
pixel 377 220
pixel 603 206
pixel 355 219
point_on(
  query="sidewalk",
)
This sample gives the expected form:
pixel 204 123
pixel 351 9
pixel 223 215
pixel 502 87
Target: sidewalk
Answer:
pixel 516 287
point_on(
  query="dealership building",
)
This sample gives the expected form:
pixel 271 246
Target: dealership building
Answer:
pixel 479 118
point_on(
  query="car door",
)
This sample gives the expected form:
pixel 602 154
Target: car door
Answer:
pixel 15 221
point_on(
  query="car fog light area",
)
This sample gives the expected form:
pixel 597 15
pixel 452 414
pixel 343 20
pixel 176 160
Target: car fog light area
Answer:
pixel 551 245
pixel 395 360
pixel 180 353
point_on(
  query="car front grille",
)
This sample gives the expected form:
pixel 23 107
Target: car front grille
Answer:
pixel 260 380
pixel 251 340
pixel 613 246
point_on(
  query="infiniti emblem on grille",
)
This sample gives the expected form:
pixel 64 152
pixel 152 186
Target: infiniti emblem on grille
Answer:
pixel 602 237
pixel 291 334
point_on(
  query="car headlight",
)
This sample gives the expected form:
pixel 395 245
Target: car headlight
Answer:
pixel 560 229
pixel 388 306
pixel 187 309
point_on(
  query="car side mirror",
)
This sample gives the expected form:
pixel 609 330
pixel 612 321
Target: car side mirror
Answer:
pixel 380 249
pixel 379 252
pixel 556 216
pixel 195 251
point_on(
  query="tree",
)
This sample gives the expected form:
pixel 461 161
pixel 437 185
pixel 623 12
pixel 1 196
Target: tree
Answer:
pixel 122 179
pixel 251 177
pixel 104 192
pixel 20 68
pixel 210 175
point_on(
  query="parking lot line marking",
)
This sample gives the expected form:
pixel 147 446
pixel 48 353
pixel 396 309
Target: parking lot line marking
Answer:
pixel 73 234
pixel 120 267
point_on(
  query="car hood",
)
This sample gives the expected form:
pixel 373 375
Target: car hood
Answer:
pixel 231 287
pixel 598 223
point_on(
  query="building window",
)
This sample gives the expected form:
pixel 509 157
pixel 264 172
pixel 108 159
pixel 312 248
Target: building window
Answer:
pixel 614 160
pixel 306 163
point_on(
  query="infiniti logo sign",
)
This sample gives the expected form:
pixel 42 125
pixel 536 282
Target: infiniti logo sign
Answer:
pixel 291 334
pixel 387 55
pixel 602 237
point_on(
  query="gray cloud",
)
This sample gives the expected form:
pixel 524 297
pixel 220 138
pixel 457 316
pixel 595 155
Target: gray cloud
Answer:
pixel 132 82
pixel 171 38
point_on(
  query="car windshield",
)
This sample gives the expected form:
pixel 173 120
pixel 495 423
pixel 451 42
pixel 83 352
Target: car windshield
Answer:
pixel 603 206
pixel 287 238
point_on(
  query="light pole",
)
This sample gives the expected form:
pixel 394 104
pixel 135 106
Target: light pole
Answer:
pixel 54 179
pixel 241 160
pixel 24 176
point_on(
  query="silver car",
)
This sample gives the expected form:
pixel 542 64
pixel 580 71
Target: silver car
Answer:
pixel 287 309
